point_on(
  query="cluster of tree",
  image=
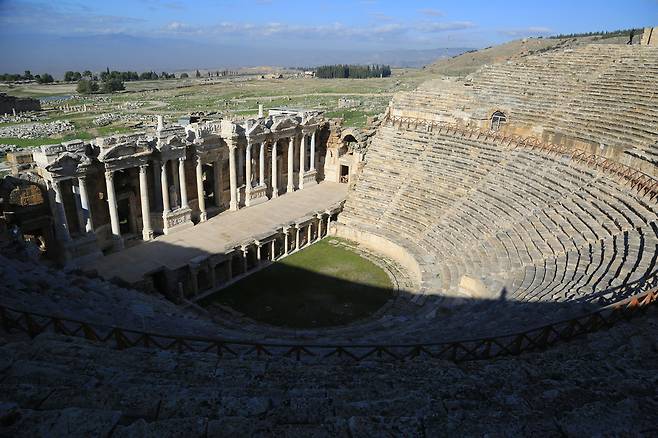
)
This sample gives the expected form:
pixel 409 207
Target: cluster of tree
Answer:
pixel 353 71
pixel 216 73
pixel 110 81
pixel 44 78
pixel 89 86
pixel 603 34
pixel 124 76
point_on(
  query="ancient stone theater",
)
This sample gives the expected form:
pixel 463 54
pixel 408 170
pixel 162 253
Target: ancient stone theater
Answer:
pixel 513 209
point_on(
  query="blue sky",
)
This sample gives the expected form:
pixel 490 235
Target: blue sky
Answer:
pixel 48 34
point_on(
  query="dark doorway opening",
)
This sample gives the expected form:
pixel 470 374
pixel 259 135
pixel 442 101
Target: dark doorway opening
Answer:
pixel 123 207
pixel 344 173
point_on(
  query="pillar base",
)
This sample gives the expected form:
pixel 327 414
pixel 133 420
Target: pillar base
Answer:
pixel 147 235
pixel 117 243
pixel 176 220
pixel 290 189
pixel 257 195
pixel 310 177
pixel 81 250
pixel 203 216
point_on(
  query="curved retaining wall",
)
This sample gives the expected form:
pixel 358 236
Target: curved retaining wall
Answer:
pixel 382 246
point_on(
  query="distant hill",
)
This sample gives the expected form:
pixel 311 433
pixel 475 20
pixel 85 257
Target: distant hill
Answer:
pixel 469 62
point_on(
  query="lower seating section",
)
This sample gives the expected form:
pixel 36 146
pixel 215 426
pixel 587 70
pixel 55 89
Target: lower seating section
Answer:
pixel 59 386
pixel 488 221
pixel 36 288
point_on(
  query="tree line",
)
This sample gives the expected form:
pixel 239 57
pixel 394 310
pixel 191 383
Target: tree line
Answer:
pixel 602 33
pixel 353 71
pixel 43 78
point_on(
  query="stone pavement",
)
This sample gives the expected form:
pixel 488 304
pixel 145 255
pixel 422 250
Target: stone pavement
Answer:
pixel 218 234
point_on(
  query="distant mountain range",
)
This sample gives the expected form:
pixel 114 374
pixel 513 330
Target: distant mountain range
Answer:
pixel 41 53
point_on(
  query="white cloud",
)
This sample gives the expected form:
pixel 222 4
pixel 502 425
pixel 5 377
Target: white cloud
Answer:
pixel 445 26
pixel 430 12
pixel 527 31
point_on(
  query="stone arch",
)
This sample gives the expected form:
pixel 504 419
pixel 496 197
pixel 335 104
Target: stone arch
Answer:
pixel 497 119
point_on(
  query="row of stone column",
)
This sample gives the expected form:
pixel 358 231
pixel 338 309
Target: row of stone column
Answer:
pixel 82 208
pixel 179 184
pixel 233 205
pixel 322 230
pixel 82 200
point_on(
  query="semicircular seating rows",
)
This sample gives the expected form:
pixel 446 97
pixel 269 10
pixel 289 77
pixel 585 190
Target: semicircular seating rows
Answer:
pixel 506 237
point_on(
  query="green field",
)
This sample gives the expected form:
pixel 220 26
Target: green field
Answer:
pixel 323 285
pixel 234 97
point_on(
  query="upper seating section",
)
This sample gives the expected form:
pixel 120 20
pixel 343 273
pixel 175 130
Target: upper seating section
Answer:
pixel 586 97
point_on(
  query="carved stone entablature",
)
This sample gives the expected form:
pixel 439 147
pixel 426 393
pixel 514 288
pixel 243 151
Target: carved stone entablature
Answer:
pixel 256 131
pixel 228 129
pixel 69 165
pixel 311 124
pixel 48 154
pixel 131 153
pixel 172 147
pixel 170 131
pixel 202 133
pixel 284 127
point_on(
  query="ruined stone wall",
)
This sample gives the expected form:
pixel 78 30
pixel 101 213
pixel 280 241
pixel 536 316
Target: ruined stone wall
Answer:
pixel 19 104
pixel 650 36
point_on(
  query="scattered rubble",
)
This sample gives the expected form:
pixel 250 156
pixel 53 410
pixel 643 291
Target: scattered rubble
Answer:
pixel 37 130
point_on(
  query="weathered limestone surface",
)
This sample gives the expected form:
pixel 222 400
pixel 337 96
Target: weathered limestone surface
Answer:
pixel 598 98
pixel 218 234
pixel 604 384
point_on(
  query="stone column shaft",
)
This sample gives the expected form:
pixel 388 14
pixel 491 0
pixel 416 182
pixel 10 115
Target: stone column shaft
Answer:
pixel 261 165
pixel 112 204
pixel 62 222
pixel 84 203
pixel 275 173
pixel 164 188
pixel 297 230
pixel 247 158
pixel 147 231
pixel 286 236
pixel 258 254
pixel 309 233
pixel 291 166
pixel 313 150
pixel 320 220
pixel 203 215
pixel 273 250
pixel 181 181
pixel 233 178
pixel 302 161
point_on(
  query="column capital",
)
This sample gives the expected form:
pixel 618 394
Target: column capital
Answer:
pixel 143 167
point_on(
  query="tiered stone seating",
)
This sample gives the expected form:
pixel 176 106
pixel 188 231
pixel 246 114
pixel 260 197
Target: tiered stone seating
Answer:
pixel 523 224
pixel 599 94
pixel 59 386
